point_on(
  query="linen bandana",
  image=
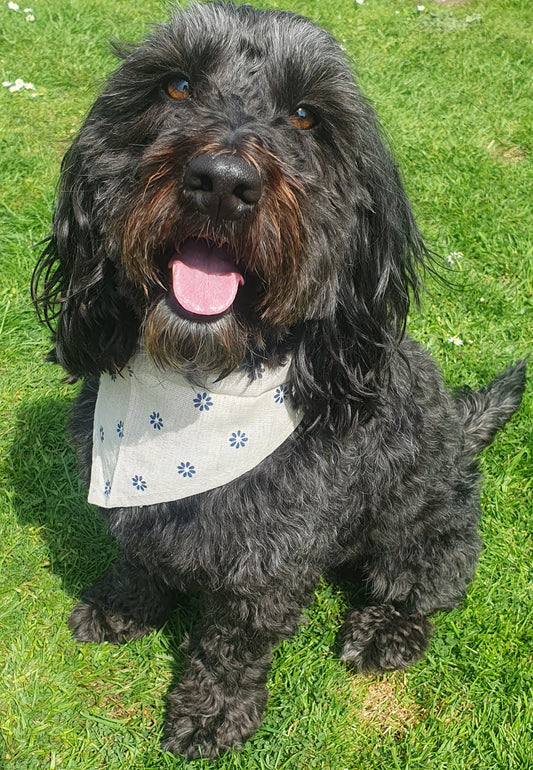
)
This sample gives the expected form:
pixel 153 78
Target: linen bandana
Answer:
pixel 157 437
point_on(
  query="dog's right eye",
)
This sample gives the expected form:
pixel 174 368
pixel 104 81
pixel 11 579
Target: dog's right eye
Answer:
pixel 303 118
pixel 178 89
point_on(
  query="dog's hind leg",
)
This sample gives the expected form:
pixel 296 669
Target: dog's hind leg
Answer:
pixel 391 630
pixel 383 638
pixel 127 603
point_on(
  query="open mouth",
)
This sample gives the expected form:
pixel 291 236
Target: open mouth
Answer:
pixel 205 277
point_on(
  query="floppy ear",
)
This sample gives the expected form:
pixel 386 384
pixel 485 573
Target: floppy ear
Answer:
pixel 75 283
pixel 342 363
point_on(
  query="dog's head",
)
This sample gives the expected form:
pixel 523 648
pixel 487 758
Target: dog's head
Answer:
pixel 228 200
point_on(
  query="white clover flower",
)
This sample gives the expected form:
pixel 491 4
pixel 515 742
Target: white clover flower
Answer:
pixel 30 17
pixel 13 6
pixel 359 2
pixel 420 8
pixel 28 10
pixel 457 341
pixel 455 256
pixel 18 85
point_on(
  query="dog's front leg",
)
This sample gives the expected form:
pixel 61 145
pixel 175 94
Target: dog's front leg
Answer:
pixel 220 700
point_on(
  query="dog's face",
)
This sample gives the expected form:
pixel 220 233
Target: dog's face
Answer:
pixel 229 197
pixel 225 124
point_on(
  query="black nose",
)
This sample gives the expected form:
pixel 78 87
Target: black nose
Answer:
pixel 222 186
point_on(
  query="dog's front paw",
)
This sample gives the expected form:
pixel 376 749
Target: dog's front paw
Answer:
pixel 194 739
pixel 206 723
pixel 91 623
pixel 377 639
pixel 202 736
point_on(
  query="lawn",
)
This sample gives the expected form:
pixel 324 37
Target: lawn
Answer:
pixel 452 83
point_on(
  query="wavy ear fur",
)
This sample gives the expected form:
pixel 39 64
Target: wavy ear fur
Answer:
pixel 342 363
pixel 75 285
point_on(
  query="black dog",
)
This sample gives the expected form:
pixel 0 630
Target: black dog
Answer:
pixel 229 209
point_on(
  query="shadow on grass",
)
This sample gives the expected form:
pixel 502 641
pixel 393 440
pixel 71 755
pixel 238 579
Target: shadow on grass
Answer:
pixel 48 492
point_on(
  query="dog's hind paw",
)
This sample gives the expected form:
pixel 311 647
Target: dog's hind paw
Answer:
pixel 90 623
pixel 378 639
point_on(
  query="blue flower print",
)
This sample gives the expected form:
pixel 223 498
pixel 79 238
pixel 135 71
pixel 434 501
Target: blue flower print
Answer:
pixel 238 439
pixel 156 421
pixel 129 370
pixel 280 394
pixel 139 483
pixel 107 488
pixel 203 402
pixel 120 429
pixel 186 470
pixel 101 433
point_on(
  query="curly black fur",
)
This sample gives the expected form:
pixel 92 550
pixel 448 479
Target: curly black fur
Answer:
pixel 380 479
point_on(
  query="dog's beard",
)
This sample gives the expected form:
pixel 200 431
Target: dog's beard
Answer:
pixel 212 347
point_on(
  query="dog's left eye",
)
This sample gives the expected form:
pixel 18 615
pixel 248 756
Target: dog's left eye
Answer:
pixel 178 89
pixel 303 118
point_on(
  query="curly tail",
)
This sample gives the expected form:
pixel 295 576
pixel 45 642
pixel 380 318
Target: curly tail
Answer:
pixel 487 410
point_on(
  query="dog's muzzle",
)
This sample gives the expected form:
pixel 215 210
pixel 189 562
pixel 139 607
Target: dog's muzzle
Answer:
pixel 223 186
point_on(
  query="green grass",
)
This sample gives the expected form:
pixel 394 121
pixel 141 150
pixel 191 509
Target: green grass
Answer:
pixel 453 86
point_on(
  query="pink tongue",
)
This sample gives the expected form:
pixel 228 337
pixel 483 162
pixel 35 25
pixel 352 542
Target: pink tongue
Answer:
pixel 204 278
